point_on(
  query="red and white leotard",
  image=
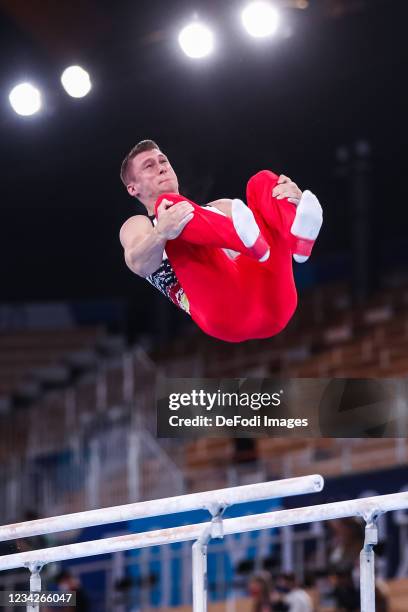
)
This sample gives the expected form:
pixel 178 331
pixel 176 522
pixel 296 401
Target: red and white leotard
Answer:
pixel 236 299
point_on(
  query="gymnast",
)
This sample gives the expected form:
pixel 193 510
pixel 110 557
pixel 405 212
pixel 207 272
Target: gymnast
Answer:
pixel 227 264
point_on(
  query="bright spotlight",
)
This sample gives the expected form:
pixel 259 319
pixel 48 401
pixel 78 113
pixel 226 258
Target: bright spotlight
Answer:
pixel 76 81
pixel 25 99
pixel 260 19
pixel 196 40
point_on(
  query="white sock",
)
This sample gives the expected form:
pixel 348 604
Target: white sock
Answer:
pixel 246 225
pixel 308 221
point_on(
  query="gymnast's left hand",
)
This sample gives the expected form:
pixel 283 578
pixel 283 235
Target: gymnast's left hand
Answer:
pixel 286 188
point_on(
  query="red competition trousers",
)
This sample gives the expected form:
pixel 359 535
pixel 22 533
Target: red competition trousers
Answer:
pixel 241 299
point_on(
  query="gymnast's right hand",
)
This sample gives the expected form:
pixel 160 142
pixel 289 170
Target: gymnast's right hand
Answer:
pixel 172 218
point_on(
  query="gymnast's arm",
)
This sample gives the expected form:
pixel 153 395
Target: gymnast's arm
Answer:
pixel 144 244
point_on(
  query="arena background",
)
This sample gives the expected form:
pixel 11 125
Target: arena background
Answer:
pixel 83 340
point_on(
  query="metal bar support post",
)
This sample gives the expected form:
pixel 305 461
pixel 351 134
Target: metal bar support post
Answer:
pixel 35 585
pixel 367 565
pixel 199 558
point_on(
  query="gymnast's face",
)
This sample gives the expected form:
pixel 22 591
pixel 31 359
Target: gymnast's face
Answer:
pixel 152 175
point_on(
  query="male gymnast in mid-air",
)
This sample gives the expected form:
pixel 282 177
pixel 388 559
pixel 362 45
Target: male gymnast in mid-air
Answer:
pixel 227 264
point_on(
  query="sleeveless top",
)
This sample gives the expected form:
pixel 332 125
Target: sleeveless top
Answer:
pixel 166 281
